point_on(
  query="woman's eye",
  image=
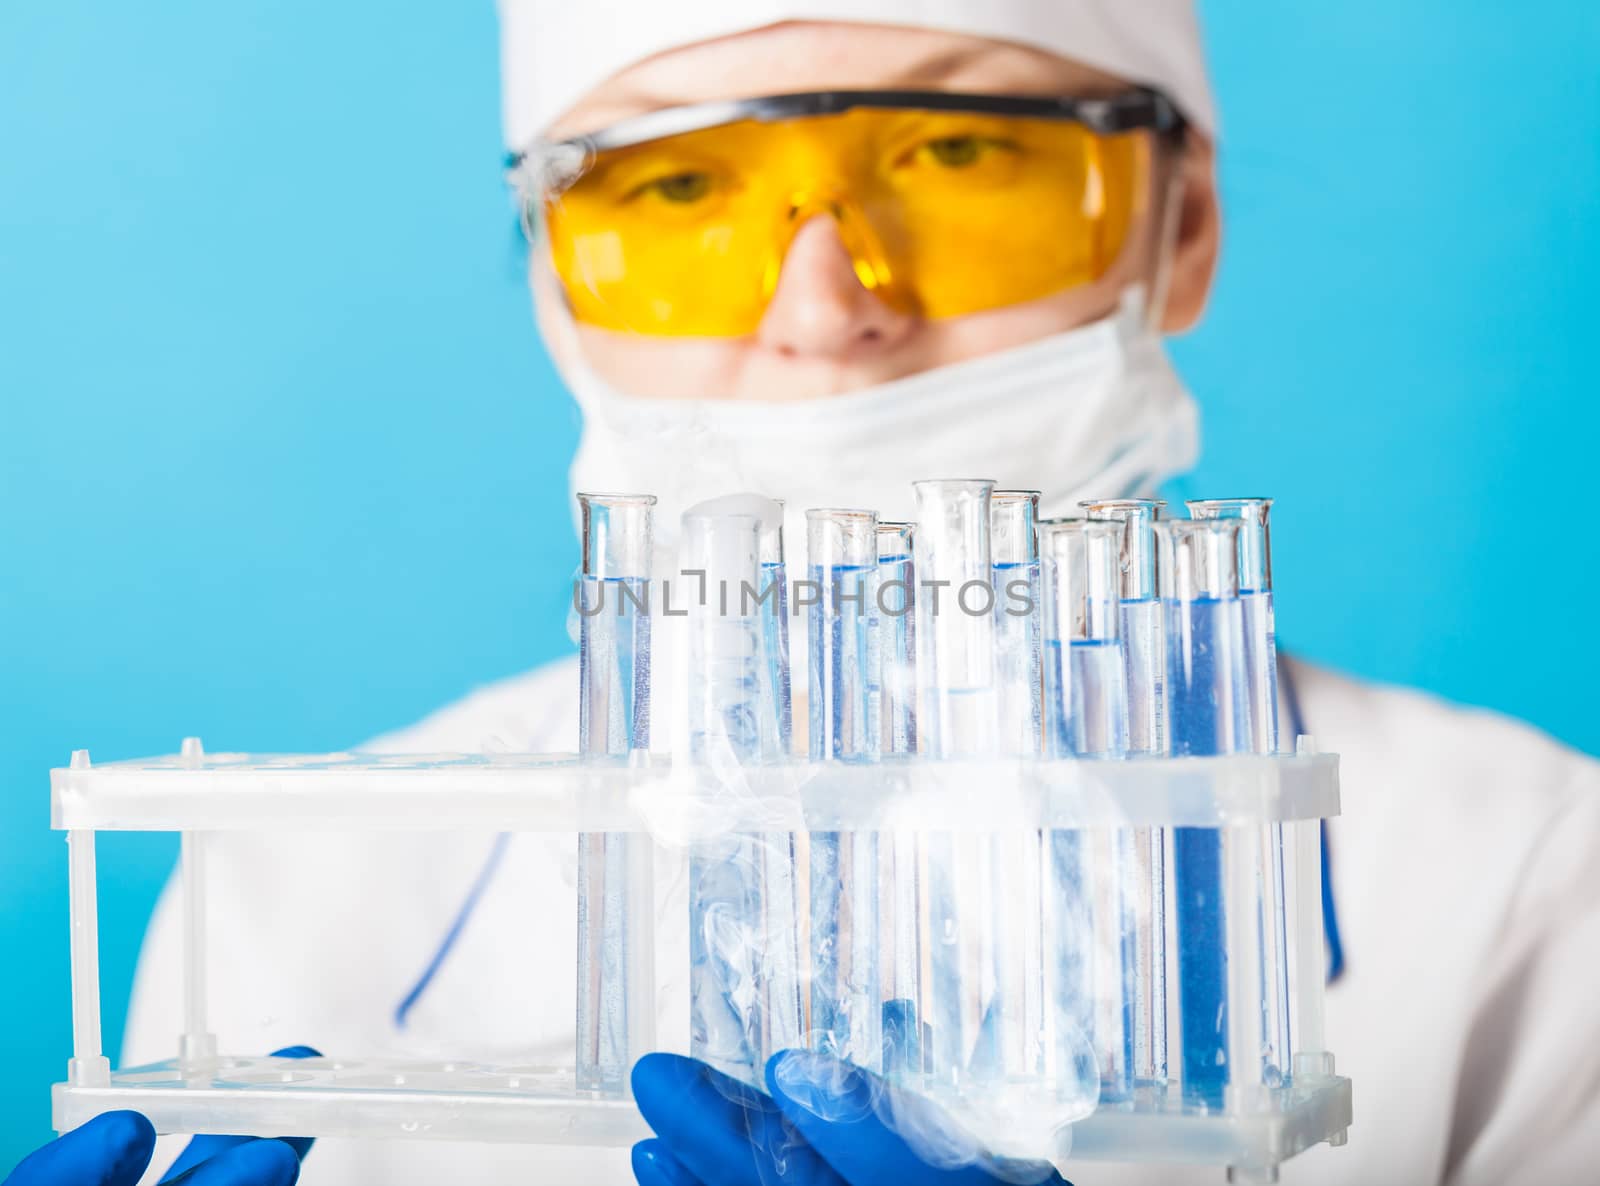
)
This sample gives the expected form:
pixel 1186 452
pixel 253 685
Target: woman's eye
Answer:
pixel 961 152
pixel 955 151
pixel 681 187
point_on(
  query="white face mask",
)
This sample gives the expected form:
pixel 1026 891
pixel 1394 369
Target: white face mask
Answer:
pixel 1095 412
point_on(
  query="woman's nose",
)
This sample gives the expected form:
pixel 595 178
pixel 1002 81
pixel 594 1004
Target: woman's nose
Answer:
pixel 820 308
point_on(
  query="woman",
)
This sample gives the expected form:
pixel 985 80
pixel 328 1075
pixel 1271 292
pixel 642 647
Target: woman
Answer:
pixel 852 317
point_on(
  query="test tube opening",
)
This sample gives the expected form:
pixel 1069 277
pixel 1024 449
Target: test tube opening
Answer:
pixel 841 538
pixel 1013 519
pixel 1138 556
pixel 1197 559
pixel 616 534
pixel 894 540
pixel 1255 536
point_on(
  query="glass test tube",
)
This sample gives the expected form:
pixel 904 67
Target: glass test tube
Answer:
pixel 613 721
pixel 1089 704
pixel 894 668
pixel 1092 882
pixel 778 721
pixel 1255 596
pixel 1261 687
pixel 957 718
pixel 1021 1001
pixel 955 622
pixel 776 852
pixel 1144 658
pixel 846 1015
pixel 744 988
pixel 1019 685
pixel 1198 579
pixel 1144 655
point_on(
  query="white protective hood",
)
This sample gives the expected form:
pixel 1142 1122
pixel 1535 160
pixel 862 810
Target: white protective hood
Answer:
pixel 554 51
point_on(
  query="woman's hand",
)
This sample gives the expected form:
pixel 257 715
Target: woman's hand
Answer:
pixel 826 1123
pixel 114 1148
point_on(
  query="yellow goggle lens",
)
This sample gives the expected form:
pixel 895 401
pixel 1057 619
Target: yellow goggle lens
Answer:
pixel 943 212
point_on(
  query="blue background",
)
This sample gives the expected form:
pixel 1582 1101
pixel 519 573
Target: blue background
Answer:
pixel 282 465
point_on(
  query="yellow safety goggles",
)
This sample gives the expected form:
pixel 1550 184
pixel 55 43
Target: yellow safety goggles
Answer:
pixel 677 223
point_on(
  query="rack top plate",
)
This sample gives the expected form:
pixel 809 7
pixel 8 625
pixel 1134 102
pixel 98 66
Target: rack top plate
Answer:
pixel 193 791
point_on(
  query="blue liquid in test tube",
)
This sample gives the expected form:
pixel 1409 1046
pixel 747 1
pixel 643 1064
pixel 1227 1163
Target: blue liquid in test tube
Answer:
pixel 613 721
pixel 846 1012
pixel 1207 715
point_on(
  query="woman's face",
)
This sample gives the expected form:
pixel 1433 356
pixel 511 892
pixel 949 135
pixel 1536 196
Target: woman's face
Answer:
pixel 823 333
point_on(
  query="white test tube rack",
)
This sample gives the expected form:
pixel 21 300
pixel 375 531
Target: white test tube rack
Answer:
pixel 193 793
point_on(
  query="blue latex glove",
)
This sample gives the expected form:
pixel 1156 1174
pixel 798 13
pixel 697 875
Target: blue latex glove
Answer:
pixel 821 1126
pixel 114 1148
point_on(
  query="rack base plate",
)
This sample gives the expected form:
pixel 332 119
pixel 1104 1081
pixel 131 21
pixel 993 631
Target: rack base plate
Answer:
pixel 386 1099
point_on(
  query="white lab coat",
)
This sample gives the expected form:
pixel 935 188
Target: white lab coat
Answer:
pixel 1466 871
